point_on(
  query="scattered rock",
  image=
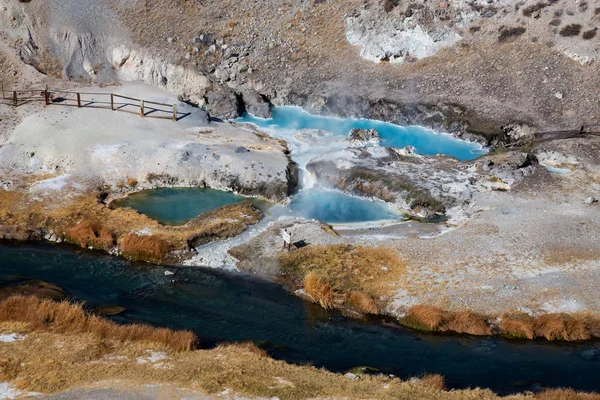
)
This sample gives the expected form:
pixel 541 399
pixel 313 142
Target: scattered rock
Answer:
pixel 591 200
pixel 255 104
pixel 558 95
pixel 108 311
pixel 351 376
pixel 169 273
pixel 241 149
pixel 360 136
pixel 223 103
pixel 37 288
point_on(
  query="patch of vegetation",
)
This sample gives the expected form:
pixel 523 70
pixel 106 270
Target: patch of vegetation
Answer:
pixel 431 318
pixel 90 234
pixel 510 34
pixel 570 30
pixel 587 35
pixel 65 317
pixel 143 247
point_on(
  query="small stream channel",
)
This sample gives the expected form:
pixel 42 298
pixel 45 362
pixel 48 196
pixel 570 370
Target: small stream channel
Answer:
pixel 221 307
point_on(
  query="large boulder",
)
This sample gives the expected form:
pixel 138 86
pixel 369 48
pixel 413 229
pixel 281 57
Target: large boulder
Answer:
pixel 223 103
pixel 364 136
pixel 255 104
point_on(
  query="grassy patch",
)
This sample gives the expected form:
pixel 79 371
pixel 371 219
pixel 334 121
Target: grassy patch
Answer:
pixel 143 247
pixel 90 234
pixel 510 34
pixel 517 326
pixel 559 326
pixel 570 30
pixel 429 318
pixel 65 317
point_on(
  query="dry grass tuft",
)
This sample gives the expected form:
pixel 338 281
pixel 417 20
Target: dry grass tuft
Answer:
pixel 246 347
pixel 322 292
pixel 90 234
pixel 132 182
pixel 468 322
pixel 432 318
pixel 517 325
pixel 68 318
pixel 559 326
pixel 565 394
pixel 143 247
pixel 363 303
pixel 435 381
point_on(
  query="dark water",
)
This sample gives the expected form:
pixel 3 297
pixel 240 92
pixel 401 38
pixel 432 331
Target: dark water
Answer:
pixel 174 206
pixel 221 307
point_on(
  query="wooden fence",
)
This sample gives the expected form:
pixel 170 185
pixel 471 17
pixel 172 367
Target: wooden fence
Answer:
pixel 112 101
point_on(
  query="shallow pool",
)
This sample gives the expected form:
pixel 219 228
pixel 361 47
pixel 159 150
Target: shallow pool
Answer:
pixel 174 206
pixel 426 141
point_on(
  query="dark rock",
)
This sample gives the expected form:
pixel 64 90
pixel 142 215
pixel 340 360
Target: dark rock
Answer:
pixel 255 104
pixel 37 288
pixel 364 135
pixel 108 311
pixel 223 103
pixel 241 149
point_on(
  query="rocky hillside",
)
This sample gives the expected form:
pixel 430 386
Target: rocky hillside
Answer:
pixel 477 66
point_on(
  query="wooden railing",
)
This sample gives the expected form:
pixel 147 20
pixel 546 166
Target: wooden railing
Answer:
pixel 144 108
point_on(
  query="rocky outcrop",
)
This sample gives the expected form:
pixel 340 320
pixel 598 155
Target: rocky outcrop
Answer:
pixel 133 65
pixel 255 104
pixel 223 103
pixel 364 136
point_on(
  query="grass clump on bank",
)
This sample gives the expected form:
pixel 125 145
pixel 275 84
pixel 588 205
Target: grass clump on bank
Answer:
pixel 343 275
pixel 90 234
pixel 68 318
pixel 143 247
pixel 428 318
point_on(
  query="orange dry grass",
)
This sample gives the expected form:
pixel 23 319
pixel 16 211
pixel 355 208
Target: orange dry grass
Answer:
pixel 322 292
pixel 143 247
pixel 560 326
pixel 363 303
pixel 467 322
pixel 90 234
pixel 565 394
pixel 247 347
pixel 518 325
pixel 65 317
pixel 431 317
pixel 435 381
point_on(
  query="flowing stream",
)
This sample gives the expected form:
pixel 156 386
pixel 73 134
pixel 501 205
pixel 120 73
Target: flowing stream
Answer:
pixel 221 307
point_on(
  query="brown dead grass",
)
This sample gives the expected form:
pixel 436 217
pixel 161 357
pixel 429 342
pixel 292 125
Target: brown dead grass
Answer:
pixel 565 394
pixel 247 347
pixel 90 234
pixel 517 325
pixel 322 292
pixel 132 182
pixel 363 303
pixel 559 326
pixel 143 247
pixel 429 318
pixel 435 381
pixel 67 318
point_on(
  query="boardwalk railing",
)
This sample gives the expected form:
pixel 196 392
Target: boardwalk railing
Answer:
pixel 111 101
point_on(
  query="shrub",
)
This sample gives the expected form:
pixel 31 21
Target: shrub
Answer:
pixel 509 34
pixel 65 317
pixel 321 292
pixel 570 30
pixel 559 326
pixel 518 325
pixel 587 35
pixel 143 247
pixel 363 303
pixel 90 234
pixel 430 317
pixel 468 322
pixel 132 182
pixel 435 381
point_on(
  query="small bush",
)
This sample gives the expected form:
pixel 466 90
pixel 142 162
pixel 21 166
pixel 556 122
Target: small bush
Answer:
pixel 468 322
pixel 587 35
pixel 510 34
pixel 90 234
pixel 132 182
pixel 143 247
pixel 65 317
pixel 363 303
pixel 321 292
pixel 434 381
pixel 570 30
pixel 518 325
pixel 560 326
pixel 428 316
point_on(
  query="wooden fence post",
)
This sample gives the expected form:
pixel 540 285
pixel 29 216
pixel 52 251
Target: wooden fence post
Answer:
pixel 175 112
pixel 78 100
pixel 112 102
pixel 46 96
pixel 15 99
pixel 142 108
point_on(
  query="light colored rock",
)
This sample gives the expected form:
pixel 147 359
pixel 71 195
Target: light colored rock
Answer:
pixel 590 200
pixel 351 376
